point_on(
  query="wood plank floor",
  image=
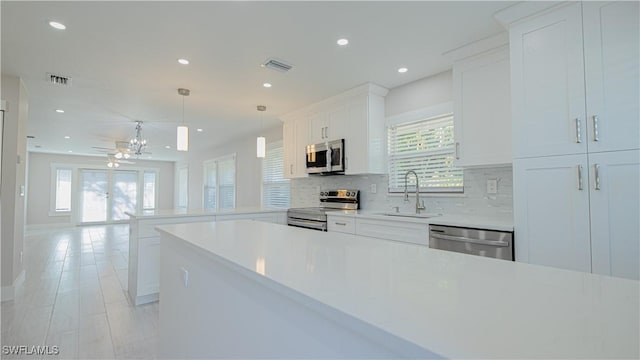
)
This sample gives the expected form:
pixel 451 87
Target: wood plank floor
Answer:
pixel 74 296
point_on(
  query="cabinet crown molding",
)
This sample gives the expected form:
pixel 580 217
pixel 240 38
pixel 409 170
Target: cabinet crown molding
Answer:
pixel 368 88
pixel 477 47
pixel 517 12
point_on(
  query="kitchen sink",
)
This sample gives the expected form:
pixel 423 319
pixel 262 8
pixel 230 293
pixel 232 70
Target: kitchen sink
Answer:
pixel 412 215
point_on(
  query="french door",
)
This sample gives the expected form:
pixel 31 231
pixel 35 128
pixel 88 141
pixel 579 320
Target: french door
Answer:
pixel 105 195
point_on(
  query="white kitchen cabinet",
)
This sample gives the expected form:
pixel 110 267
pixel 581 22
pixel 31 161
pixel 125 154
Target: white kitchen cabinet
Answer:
pixel 551 208
pixel 615 213
pixel 482 105
pixel 341 224
pixel 357 116
pixel 295 131
pixel 412 232
pixel 611 52
pixel 547 82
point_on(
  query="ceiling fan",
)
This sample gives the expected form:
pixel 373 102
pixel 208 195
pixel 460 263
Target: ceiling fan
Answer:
pixel 114 162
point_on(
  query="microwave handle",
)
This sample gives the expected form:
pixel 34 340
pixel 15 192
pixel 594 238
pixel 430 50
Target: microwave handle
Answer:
pixel 328 157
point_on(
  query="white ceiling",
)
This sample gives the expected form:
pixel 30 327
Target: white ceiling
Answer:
pixel 122 58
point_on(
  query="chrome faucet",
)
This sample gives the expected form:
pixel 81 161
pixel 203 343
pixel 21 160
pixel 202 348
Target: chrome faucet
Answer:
pixel 419 206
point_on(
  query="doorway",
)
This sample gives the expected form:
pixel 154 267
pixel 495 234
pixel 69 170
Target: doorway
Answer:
pixel 105 195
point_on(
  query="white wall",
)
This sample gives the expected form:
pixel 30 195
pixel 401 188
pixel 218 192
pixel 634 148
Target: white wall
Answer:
pixel 13 177
pixel 420 94
pixel 39 195
pixel 248 169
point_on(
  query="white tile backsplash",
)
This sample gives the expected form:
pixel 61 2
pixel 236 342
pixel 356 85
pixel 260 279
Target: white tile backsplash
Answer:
pixel 475 200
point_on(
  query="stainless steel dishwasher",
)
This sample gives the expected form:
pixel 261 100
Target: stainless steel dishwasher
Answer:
pixel 488 243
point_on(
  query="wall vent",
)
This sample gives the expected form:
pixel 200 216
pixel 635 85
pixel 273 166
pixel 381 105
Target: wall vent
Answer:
pixel 277 65
pixel 59 79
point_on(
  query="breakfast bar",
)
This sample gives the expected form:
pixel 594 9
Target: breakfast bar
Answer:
pixel 249 289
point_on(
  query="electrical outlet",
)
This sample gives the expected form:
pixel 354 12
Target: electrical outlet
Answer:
pixel 185 277
pixel 492 186
pixel 373 188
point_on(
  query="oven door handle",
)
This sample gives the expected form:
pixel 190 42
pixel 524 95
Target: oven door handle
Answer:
pixel 308 224
pixel 469 240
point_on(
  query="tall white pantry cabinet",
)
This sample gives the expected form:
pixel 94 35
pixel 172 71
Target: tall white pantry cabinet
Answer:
pixel 576 136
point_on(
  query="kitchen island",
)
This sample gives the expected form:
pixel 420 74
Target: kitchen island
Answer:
pixel 253 289
pixel 144 241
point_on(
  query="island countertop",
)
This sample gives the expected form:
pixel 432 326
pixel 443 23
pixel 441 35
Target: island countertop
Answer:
pixel 451 304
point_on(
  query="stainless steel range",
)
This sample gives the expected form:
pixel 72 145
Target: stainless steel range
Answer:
pixel 330 200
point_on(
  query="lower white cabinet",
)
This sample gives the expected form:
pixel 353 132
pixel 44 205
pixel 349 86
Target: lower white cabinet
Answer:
pixel 615 213
pixel 579 212
pixel 341 224
pixel 416 233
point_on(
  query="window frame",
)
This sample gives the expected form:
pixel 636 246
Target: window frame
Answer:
pixel 216 163
pixel 431 113
pixel 53 193
pixel 186 199
pixel 272 146
pixel 141 174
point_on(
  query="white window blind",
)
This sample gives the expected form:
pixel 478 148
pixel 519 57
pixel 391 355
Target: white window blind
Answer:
pixel 63 190
pixel 149 190
pixel 275 188
pixel 220 183
pixel 428 148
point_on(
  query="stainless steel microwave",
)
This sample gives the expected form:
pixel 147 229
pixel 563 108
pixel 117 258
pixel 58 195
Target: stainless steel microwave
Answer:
pixel 326 158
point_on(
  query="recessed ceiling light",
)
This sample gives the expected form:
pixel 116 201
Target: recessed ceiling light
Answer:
pixel 199 130
pixel 67 137
pixel 267 85
pixel 342 42
pixel 167 147
pixel 183 61
pixel 57 25
pixel 403 70
pixel 60 111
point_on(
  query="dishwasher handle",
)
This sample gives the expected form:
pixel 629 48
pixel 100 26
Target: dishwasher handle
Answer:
pixel 469 240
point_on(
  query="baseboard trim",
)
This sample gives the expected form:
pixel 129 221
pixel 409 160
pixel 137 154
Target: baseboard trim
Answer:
pixel 9 292
pixel 48 226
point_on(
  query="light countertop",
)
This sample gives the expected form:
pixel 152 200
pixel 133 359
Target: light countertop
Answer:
pixel 455 305
pixel 500 223
pixel 167 213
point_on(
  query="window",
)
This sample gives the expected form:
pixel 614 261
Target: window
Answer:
pixel 183 187
pixel 149 190
pixel 428 148
pixel 63 190
pixel 220 183
pixel 275 188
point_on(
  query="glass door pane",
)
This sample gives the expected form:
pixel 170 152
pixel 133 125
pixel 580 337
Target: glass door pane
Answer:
pixel 94 195
pixel 124 194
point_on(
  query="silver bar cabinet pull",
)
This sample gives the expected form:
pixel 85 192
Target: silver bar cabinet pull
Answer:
pixel 341 223
pixel 595 128
pixel 579 177
pixel 291 169
pixel 457 151
pixel 578 131
pixel 596 169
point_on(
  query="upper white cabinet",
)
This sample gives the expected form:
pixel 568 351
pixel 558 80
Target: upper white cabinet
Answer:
pixel 547 79
pixel 557 112
pixel 357 116
pixel 611 53
pixel 295 139
pixel 482 103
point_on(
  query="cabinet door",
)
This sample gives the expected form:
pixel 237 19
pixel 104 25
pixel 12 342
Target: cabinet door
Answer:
pixel 337 122
pixel 611 45
pixel 615 210
pixel 547 79
pixel 318 127
pixel 482 110
pixel 551 211
pixel 356 143
pixel 289 148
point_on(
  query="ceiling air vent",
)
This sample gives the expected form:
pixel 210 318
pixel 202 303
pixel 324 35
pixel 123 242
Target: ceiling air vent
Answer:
pixel 277 65
pixel 59 79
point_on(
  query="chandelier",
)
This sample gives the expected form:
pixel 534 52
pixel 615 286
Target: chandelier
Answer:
pixel 137 144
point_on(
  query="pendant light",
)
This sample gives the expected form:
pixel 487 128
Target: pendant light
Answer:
pixel 183 130
pixel 261 141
